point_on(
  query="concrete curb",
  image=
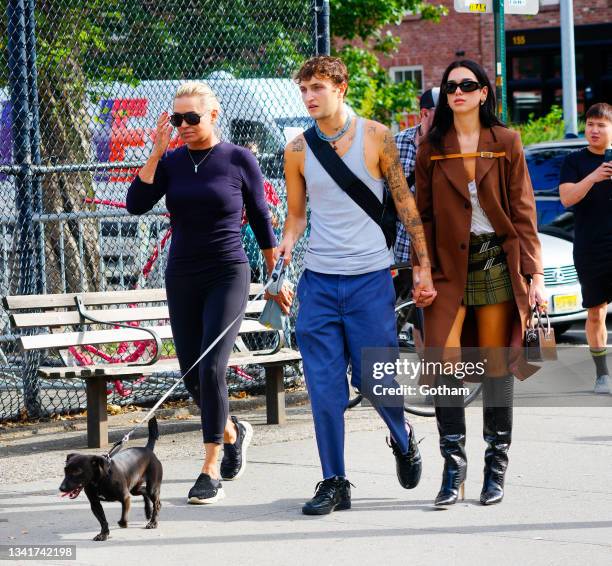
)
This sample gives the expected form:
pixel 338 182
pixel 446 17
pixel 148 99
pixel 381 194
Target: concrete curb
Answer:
pixel 124 420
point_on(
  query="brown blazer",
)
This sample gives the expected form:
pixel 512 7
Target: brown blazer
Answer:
pixel 506 196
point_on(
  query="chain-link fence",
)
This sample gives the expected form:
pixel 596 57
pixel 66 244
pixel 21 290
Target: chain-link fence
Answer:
pixel 82 83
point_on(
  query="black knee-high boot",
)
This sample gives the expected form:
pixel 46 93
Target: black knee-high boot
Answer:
pixel 497 433
pixel 450 417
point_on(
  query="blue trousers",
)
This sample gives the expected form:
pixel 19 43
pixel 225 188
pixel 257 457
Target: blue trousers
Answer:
pixel 338 316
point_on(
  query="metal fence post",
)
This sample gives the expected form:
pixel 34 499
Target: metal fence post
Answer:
pixel 568 66
pixel 322 27
pixel 500 59
pixel 37 192
pixel 21 127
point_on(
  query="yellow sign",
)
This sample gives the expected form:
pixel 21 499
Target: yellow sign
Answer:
pixel 478 7
pixel 564 303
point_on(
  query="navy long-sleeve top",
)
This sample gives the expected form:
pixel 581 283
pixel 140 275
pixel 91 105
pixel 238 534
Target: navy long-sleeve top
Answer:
pixel 206 207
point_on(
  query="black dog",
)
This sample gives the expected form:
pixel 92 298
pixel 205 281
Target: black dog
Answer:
pixel 116 479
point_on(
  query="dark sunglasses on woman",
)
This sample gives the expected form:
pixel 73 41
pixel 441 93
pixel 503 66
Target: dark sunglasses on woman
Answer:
pixel 465 86
pixel 192 118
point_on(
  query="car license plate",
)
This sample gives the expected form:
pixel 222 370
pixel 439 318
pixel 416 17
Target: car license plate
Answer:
pixel 565 303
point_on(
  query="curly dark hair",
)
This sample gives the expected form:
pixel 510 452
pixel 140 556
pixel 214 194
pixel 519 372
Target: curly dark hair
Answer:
pixel 443 118
pixel 332 68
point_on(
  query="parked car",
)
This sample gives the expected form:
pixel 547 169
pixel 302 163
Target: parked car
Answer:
pixel 561 283
pixel 544 162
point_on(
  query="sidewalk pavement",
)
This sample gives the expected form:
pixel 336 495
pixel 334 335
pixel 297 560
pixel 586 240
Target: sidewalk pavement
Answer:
pixel 557 508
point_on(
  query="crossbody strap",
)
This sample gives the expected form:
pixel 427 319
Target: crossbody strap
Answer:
pixel 352 185
pixel 484 154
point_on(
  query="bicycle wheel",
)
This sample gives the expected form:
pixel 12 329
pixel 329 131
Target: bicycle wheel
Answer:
pixel 423 406
pixel 405 315
pixel 426 409
pixel 474 392
pixel 355 401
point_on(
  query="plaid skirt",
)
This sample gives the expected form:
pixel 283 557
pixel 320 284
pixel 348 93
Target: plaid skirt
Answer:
pixel 486 286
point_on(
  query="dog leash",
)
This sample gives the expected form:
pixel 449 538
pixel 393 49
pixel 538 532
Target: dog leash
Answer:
pixel 276 274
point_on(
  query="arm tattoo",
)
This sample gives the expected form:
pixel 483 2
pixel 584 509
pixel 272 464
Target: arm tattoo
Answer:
pixel 297 145
pixel 404 200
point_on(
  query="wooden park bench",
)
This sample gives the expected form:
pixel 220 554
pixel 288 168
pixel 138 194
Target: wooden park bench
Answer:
pixel 61 321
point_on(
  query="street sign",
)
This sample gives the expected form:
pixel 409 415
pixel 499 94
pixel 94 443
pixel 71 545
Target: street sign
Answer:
pixel 499 10
pixel 529 7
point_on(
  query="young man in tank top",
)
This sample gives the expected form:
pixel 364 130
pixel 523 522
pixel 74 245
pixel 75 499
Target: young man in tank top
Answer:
pixel 346 294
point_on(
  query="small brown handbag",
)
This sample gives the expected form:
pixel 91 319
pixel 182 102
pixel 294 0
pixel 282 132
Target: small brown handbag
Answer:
pixel 540 344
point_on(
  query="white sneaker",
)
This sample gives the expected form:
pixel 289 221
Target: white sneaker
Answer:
pixel 602 384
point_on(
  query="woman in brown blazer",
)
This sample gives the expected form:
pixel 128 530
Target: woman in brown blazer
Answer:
pixel 478 210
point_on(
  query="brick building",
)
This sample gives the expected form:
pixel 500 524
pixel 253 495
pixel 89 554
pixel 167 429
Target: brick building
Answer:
pixel 533 53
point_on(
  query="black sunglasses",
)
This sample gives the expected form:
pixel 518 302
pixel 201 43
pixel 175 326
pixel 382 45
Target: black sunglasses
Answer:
pixel 192 118
pixel 465 86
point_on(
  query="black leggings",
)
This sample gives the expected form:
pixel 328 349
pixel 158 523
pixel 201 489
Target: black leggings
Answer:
pixel 201 306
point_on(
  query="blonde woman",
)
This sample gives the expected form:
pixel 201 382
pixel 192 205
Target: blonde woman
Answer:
pixel 206 182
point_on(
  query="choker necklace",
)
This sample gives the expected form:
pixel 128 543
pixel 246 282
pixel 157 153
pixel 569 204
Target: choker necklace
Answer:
pixel 334 139
pixel 196 165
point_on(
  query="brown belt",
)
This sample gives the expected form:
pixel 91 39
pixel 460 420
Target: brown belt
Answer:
pixel 484 154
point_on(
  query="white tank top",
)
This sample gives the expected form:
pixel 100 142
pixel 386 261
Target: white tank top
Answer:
pixel 480 221
pixel 344 240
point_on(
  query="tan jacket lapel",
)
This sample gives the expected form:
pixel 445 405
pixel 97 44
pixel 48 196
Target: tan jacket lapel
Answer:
pixel 453 168
pixel 486 142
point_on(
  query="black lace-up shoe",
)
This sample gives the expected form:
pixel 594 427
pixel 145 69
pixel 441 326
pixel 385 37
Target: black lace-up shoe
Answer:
pixel 332 494
pixel 408 465
pixel 205 490
pixel 234 455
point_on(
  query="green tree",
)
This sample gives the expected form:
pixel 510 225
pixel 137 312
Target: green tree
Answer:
pixel 373 94
pixel 545 128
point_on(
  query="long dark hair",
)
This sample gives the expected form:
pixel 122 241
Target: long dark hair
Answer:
pixel 443 117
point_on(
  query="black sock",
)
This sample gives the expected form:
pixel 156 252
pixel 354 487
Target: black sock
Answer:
pixel 599 357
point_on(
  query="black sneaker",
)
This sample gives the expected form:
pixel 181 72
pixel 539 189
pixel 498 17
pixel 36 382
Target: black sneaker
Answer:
pixel 332 494
pixel 408 465
pixel 205 490
pixel 234 455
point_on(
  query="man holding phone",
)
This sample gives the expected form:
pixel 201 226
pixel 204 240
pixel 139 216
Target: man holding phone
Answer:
pixel 586 184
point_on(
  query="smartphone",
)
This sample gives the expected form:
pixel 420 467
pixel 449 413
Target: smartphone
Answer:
pixel 608 155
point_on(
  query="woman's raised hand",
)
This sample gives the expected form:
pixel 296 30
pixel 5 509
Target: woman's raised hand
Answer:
pixel 163 135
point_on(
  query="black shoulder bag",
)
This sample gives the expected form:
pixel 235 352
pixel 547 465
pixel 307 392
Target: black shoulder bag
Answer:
pixel 384 214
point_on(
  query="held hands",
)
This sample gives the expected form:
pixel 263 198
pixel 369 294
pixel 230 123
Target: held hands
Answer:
pixel 536 293
pixel 163 135
pixel 602 173
pixel 423 290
